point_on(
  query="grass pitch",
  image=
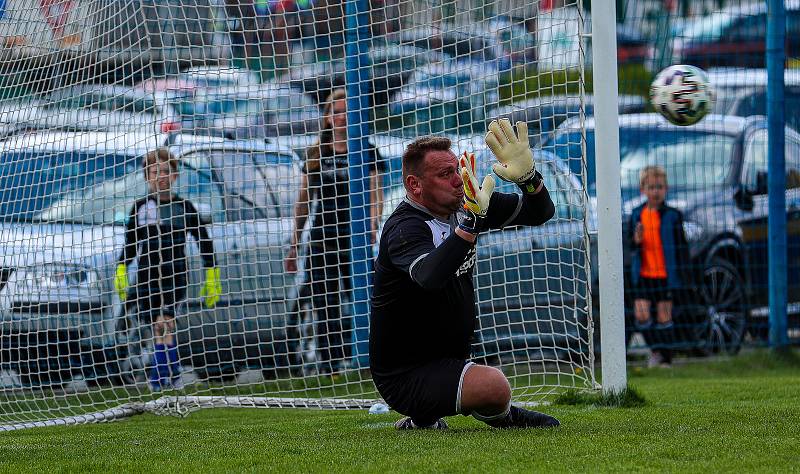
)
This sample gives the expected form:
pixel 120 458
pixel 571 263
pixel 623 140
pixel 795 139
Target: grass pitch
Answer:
pixel 741 414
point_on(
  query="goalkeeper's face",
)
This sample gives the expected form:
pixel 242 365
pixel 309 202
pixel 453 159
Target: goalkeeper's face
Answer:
pixel 438 186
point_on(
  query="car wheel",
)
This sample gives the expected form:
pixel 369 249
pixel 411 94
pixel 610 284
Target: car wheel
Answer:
pixel 722 293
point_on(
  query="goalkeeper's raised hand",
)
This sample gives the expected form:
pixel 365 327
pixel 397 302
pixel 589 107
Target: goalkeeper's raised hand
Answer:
pixel 476 198
pixel 514 155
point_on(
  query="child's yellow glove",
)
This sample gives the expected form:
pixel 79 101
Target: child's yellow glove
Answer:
pixel 212 288
pixel 121 281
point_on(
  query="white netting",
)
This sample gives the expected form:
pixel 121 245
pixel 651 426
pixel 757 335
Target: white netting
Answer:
pixel 236 91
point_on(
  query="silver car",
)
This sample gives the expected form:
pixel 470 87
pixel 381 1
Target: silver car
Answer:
pixel 64 198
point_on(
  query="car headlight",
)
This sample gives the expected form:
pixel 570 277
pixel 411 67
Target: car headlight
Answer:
pixel 57 276
pixel 693 231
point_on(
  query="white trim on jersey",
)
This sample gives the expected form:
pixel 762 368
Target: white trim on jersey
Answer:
pixel 416 260
pixel 515 213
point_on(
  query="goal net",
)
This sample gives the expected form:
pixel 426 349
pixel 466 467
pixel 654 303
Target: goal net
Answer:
pixel 191 191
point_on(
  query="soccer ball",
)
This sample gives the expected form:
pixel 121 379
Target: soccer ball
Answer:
pixel 682 94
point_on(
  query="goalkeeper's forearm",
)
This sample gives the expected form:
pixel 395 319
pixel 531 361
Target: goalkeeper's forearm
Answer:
pixel 535 209
pixel 432 270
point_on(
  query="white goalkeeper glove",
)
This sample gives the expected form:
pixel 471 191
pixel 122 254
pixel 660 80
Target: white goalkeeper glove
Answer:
pixel 514 155
pixel 476 198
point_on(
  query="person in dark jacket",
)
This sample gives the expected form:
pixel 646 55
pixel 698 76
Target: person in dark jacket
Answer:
pixel 325 195
pixel 660 256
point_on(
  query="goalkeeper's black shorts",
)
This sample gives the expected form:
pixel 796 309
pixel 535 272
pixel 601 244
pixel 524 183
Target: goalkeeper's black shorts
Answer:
pixel 426 393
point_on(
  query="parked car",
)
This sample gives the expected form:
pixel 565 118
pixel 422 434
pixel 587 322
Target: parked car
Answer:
pixel 390 66
pixel 109 108
pixel 743 92
pixel 497 45
pixel 444 98
pixel 543 115
pixel 265 110
pixel 64 199
pixel 633 46
pixel 735 36
pixel 216 76
pixel 716 172
pixel 531 282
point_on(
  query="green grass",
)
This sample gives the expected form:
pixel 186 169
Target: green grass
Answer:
pixel 741 414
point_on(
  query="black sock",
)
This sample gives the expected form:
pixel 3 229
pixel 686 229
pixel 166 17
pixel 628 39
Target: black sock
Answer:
pixel 666 339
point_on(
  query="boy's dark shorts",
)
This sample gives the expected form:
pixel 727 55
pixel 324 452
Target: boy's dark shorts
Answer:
pixel 653 289
pixel 426 393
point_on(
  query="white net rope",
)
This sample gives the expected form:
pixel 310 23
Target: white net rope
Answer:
pixel 236 92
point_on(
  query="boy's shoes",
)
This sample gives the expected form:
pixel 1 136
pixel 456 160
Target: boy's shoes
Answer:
pixel 408 424
pixel 656 359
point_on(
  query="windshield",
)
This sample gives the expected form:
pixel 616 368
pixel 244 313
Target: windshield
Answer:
pixel 103 102
pixel 692 159
pixel 32 184
pixel 707 27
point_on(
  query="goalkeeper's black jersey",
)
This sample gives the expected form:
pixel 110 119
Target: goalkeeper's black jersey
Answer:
pixel 423 303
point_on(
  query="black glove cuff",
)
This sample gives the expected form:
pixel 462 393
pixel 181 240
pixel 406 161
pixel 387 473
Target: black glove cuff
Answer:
pixel 531 185
pixel 470 222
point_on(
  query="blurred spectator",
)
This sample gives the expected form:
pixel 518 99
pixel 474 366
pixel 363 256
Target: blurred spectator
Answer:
pixel 325 188
pixel 660 253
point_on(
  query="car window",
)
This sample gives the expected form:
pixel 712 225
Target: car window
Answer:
pixel 792 164
pixel 749 28
pixel 693 160
pixel 198 187
pixel 106 103
pixel 72 186
pixel 792 24
pixel 707 28
pixel 559 188
pixel 756 104
pixel 754 174
pixel 568 147
pixel 254 182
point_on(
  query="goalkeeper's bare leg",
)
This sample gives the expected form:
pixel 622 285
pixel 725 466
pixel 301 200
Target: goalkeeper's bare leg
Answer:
pixel 486 395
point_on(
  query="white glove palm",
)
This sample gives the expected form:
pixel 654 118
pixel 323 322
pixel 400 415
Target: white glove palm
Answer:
pixel 514 155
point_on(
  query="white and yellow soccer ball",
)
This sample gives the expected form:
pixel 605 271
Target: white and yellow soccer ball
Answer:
pixel 682 94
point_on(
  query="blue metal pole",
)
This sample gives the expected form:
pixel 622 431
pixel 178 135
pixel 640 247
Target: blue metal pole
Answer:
pixel 357 83
pixel 776 176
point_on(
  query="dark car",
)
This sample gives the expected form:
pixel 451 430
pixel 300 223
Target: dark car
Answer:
pixel 735 36
pixel 390 67
pixel 543 115
pixel 632 46
pixel 743 92
pixel 717 173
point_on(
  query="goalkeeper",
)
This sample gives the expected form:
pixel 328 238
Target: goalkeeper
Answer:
pixel 423 304
pixel 156 232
